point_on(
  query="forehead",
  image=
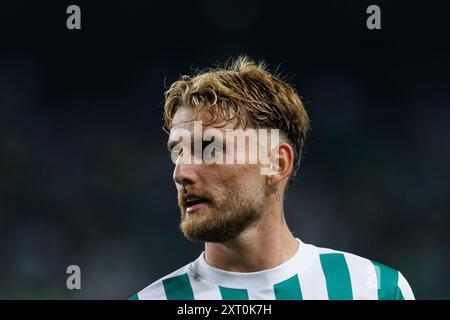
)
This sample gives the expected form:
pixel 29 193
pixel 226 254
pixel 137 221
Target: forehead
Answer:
pixel 185 116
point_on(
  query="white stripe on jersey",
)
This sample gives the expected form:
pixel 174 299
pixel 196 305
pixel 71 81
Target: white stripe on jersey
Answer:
pixel 261 294
pixel 312 280
pixel 202 289
pixel 363 277
pixel 405 287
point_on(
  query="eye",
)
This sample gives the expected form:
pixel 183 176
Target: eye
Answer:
pixel 212 149
pixel 205 144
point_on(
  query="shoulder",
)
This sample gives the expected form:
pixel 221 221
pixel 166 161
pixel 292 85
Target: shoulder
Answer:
pixel 157 290
pixel 366 278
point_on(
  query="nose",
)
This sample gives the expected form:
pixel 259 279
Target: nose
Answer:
pixel 184 173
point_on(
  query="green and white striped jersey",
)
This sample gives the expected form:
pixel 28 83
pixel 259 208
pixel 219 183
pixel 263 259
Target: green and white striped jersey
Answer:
pixel 312 273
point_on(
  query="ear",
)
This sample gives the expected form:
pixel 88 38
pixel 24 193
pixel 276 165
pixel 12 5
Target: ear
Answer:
pixel 282 163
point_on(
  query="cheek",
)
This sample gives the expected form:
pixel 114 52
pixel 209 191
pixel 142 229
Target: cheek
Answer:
pixel 237 177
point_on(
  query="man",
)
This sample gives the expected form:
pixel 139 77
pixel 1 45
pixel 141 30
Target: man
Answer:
pixel 237 210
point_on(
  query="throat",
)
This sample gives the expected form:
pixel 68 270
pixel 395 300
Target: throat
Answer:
pixel 251 258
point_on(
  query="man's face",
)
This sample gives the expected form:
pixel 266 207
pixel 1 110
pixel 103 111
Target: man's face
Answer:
pixel 217 201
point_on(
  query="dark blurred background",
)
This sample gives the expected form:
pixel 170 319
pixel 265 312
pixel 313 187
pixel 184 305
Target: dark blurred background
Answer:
pixel 85 177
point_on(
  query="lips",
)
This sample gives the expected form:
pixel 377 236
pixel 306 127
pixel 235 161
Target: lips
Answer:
pixel 193 202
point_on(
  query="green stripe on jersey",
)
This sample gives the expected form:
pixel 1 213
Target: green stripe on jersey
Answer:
pixel 387 279
pixel 337 276
pixel 134 297
pixel 233 294
pixel 288 289
pixel 399 294
pixel 178 288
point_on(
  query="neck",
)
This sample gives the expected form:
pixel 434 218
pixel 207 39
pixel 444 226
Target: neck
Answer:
pixel 265 245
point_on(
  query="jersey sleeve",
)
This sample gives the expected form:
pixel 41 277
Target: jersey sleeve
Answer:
pixel 392 285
